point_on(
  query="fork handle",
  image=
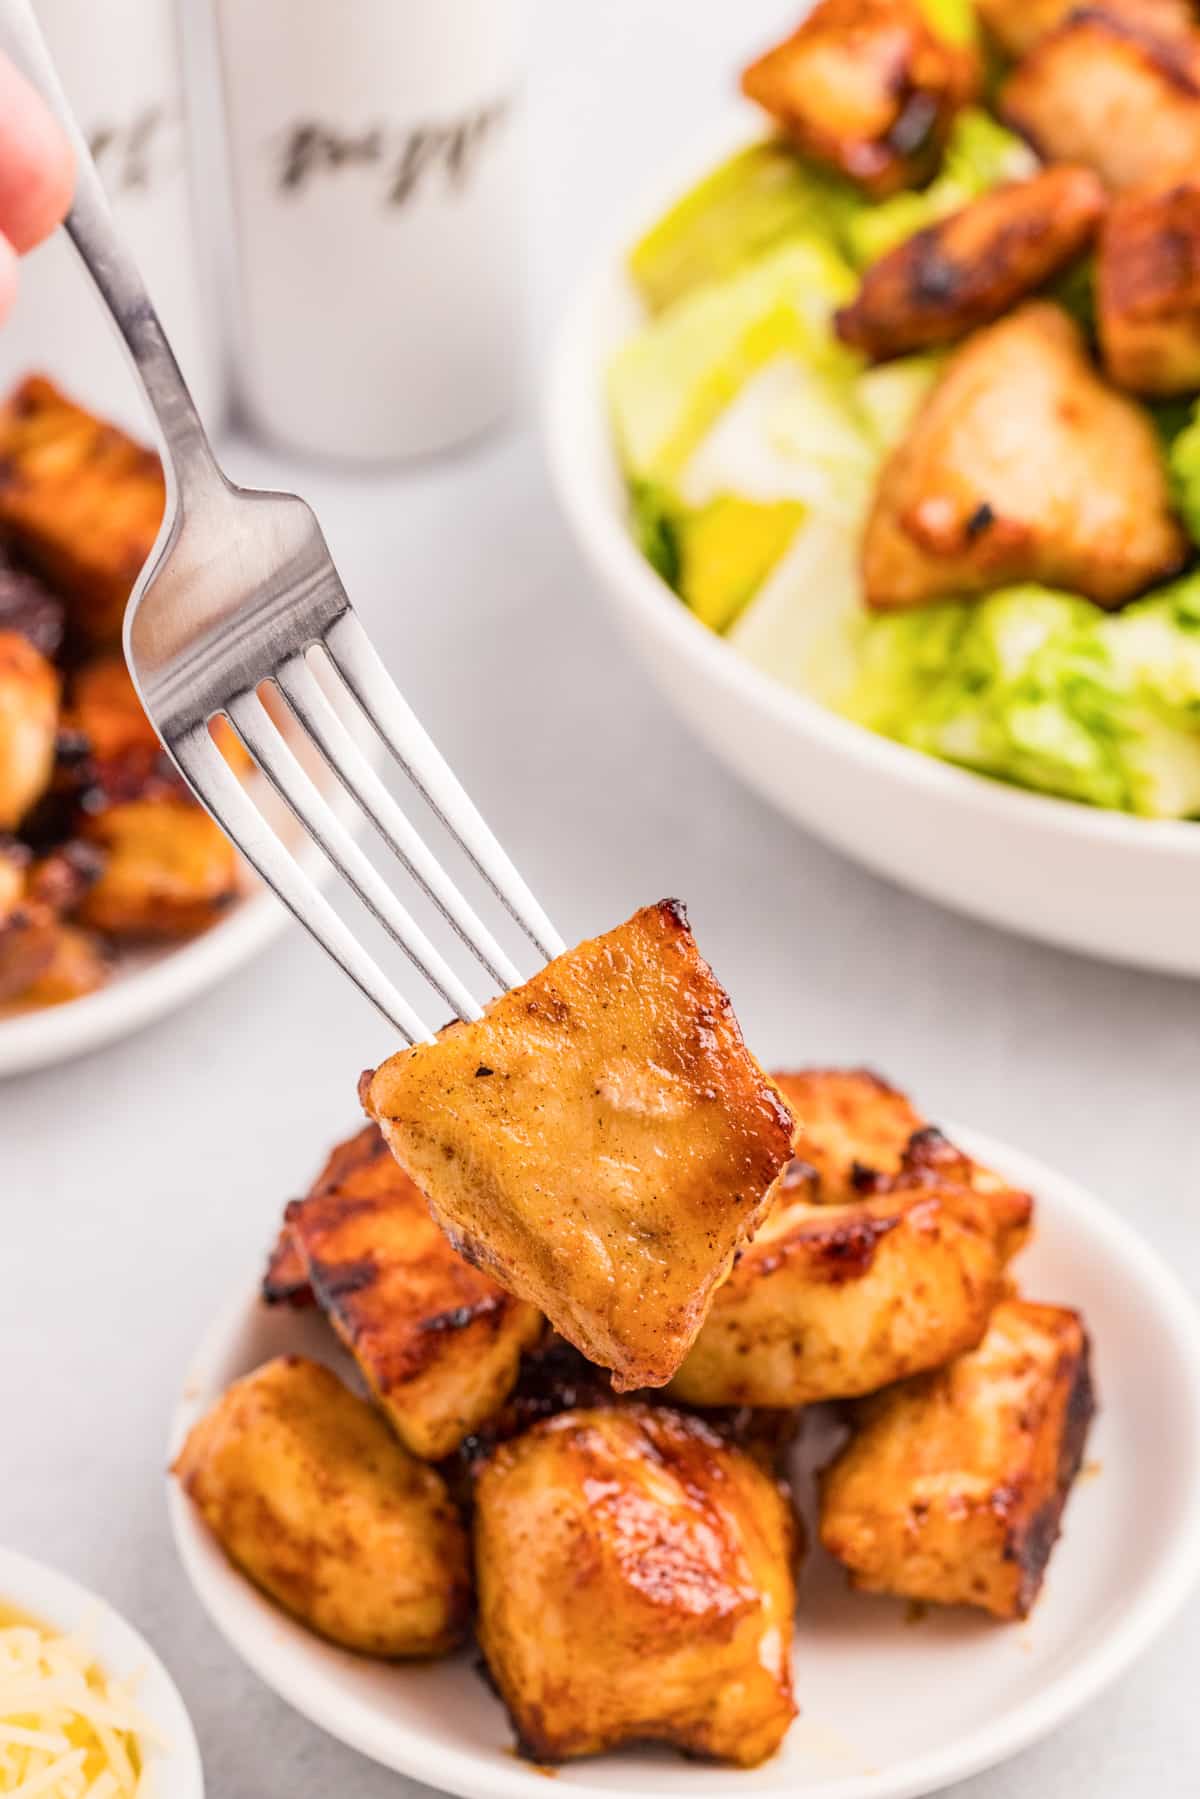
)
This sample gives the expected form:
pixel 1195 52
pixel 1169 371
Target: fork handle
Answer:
pixel 89 224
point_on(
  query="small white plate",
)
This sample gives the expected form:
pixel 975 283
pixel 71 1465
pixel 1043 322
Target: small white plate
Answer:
pixel 889 1708
pixel 53 1599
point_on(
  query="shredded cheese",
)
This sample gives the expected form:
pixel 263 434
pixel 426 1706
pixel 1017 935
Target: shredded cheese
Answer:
pixel 68 1730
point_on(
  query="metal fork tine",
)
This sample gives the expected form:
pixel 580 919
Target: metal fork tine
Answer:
pixel 317 715
pixel 361 668
pixel 222 794
pixel 278 762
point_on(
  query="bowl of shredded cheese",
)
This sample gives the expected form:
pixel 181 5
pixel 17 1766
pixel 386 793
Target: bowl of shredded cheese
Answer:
pixel 87 1710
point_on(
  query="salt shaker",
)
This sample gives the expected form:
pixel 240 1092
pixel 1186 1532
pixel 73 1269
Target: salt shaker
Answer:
pixel 375 160
pixel 120 65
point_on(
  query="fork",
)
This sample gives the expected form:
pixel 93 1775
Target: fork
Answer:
pixel 240 594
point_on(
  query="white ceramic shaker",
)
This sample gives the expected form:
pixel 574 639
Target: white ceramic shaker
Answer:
pixel 375 159
pixel 121 68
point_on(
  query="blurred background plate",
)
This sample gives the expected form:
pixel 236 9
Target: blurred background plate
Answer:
pixel 52 1599
pixel 1105 883
pixel 889 1709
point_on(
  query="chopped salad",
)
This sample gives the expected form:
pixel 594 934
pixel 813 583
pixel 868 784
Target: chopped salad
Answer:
pixel 912 414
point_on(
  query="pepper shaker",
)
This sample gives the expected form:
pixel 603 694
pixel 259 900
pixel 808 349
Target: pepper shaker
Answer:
pixel 375 160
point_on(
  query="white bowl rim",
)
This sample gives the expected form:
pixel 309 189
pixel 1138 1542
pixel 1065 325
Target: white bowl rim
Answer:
pixel 60 1602
pixel 573 394
pixel 1162 1595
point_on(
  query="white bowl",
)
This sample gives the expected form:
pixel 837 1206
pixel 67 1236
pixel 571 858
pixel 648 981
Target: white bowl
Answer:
pixel 1105 883
pixel 53 1599
pixel 888 1710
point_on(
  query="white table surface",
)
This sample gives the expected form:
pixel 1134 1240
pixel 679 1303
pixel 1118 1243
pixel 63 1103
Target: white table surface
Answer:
pixel 140 1186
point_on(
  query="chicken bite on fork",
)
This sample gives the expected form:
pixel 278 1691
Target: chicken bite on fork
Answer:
pixel 602 1141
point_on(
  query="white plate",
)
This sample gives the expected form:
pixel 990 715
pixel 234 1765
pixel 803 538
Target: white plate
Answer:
pixel 889 1708
pixel 1102 882
pixel 53 1599
pixel 146 985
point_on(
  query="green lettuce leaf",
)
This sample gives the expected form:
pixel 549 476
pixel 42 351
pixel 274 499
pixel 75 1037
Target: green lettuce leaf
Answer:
pixel 1183 463
pixel 1046 690
pixel 757 199
pixel 678 373
pixel 654 528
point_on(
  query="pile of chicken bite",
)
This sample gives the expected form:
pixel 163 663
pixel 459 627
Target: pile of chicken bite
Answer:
pixel 101 845
pixel 629 1557
pixel 1034 458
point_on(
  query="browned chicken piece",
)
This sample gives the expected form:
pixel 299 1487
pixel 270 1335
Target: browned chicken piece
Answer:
pixel 867 87
pixel 77 964
pixel 307 1491
pixel 438 1342
pixel 1017 25
pixel 830 1302
pixel 1022 465
pixel 856 1135
pixel 24 948
pixel 1148 289
pixel 29 694
pixel 847 1120
pixel 168 870
pixel 636 1583
pixel 975 265
pixel 930 1159
pixel 27 949
pixel 28 607
pixel 103 707
pixel 161 868
pixel 109 753
pixel 952 1487
pixel 285 1279
pixel 601 1141
pixel 43 959
pixel 1110 90
pixel 62 879
pixel 125 759
pixel 14 866
pixel 285 1273
pixel 80 500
